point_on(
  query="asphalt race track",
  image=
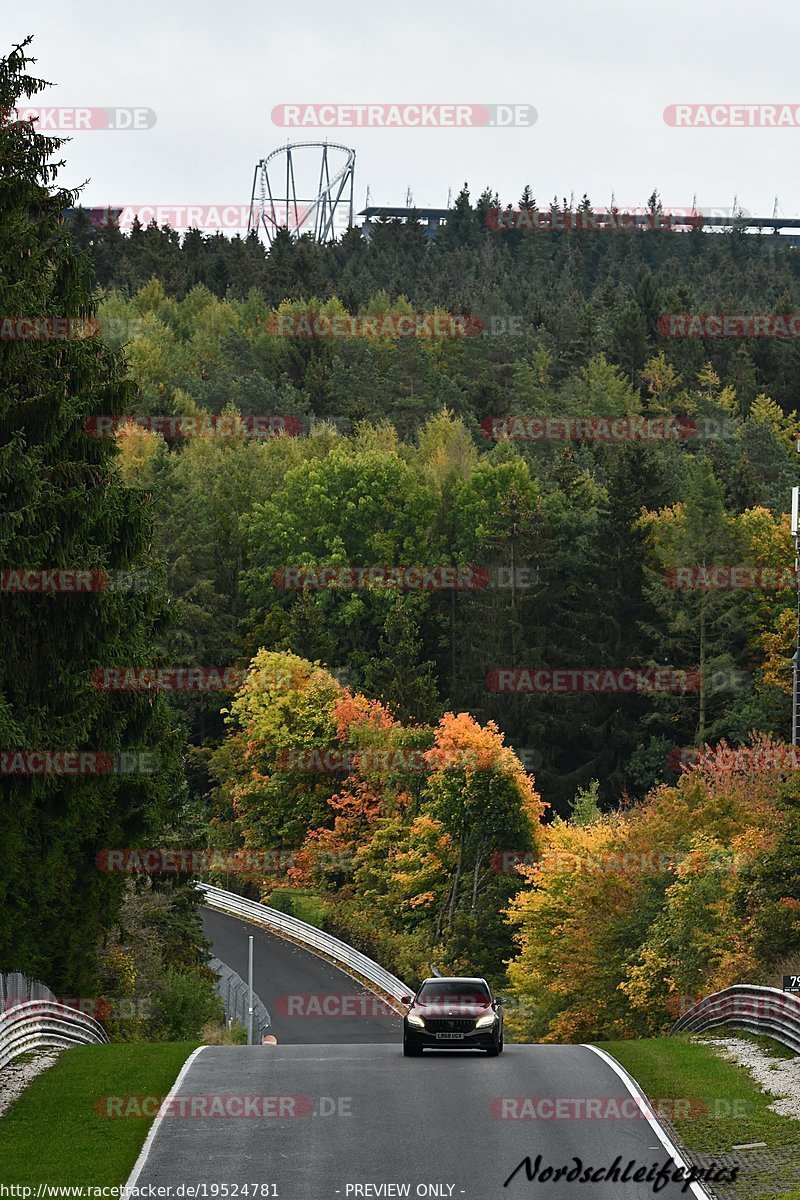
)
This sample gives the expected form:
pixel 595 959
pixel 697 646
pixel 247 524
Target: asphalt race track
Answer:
pixel 287 979
pixel 338 1118
pixel 335 1111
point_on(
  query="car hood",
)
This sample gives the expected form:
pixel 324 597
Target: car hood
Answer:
pixel 459 1009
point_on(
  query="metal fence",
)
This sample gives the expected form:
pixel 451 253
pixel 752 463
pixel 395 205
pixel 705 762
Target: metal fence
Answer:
pixel 763 1010
pixel 233 991
pixel 324 944
pixel 32 1019
pixel 16 988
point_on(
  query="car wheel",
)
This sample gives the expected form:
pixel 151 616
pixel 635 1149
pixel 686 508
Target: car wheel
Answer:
pixel 411 1051
pixel 493 1051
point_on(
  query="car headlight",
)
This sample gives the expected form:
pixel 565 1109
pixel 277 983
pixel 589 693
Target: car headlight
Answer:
pixel 485 1022
pixel 413 1019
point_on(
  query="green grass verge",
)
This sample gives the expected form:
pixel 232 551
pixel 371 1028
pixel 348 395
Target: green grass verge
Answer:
pixel 53 1133
pixel 727 1107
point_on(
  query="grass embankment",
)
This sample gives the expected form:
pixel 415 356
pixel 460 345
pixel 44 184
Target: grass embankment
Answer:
pixel 54 1132
pixel 725 1106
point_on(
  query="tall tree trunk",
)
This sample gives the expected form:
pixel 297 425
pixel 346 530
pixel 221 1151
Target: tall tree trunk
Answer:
pixel 475 873
pixel 442 908
pixel 514 623
pixel 701 730
pixel 452 642
pixel 456 881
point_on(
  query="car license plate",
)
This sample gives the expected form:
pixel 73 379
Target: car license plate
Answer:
pixel 449 1037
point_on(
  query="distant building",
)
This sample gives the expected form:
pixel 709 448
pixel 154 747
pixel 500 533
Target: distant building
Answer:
pixel 431 218
pixel 99 218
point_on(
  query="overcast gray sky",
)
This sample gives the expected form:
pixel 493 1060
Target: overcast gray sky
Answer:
pixel 599 74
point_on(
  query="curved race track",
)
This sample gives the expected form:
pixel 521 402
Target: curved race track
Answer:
pixel 335 1111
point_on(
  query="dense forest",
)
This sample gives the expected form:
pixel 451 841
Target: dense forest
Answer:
pixel 369 747
pixel 415 432
pixel 441 817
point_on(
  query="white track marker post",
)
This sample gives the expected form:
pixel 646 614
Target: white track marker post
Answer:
pixel 250 990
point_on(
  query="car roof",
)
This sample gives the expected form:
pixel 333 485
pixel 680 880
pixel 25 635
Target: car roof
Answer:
pixel 455 979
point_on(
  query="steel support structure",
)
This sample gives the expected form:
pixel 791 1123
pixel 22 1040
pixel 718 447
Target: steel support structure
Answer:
pixel 277 203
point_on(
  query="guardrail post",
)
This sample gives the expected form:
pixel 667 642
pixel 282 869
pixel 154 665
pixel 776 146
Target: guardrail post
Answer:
pixel 250 990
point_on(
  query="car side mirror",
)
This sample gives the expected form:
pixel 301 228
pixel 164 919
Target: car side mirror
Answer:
pixel 406 999
pixel 499 1000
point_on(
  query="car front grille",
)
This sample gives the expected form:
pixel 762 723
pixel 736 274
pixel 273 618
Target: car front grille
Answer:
pixel 449 1024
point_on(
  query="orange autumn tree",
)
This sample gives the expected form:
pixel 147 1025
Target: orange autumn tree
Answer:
pixel 382 860
pixel 728 885
pixel 377 755
pixel 582 910
pixel 400 830
pixel 478 790
pixel 627 913
pixel 419 828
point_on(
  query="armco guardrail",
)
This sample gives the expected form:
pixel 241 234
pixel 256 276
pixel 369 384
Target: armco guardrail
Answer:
pixel 44 1024
pixel 763 1010
pixel 324 944
pixel 234 994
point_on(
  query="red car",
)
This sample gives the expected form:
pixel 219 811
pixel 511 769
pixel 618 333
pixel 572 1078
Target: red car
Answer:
pixel 453 1014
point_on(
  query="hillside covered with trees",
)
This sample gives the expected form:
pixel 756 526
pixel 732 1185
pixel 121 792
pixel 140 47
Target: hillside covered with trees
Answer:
pixel 369 745
pixel 390 459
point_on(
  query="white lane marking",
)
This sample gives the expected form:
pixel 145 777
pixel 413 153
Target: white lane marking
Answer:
pixel 153 1130
pixel 697 1189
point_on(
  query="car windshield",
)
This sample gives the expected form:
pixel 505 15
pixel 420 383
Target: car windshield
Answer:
pixel 453 992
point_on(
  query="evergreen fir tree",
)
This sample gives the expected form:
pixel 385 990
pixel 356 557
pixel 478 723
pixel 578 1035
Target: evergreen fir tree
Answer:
pixel 63 506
